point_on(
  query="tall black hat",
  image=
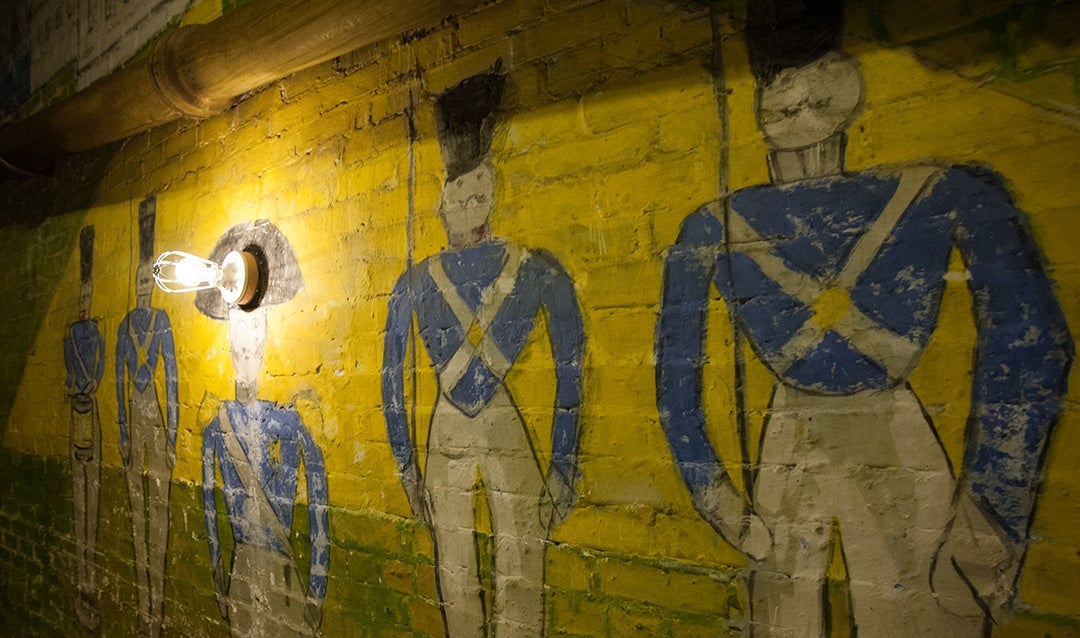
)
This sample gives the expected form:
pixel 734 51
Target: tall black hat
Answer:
pixel 147 216
pixel 86 253
pixel 788 33
pixel 279 274
pixel 465 119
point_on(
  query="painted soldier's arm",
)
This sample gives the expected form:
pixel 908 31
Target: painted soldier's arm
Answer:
pixel 395 344
pixel 172 401
pixel 567 348
pixel 680 341
pixel 99 356
pixel 318 503
pixel 1022 358
pixel 210 447
pixel 69 363
pixel 123 343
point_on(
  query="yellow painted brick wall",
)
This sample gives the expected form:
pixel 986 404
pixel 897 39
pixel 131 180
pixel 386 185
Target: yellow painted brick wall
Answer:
pixel 608 140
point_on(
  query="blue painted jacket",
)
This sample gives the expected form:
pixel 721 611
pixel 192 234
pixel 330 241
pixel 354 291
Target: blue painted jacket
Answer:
pixel 806 233
pixel 143 335
pixel 274 441
pixel 84 357
pixel 540 283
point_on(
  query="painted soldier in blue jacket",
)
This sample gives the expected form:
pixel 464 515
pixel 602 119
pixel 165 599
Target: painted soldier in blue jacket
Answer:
pixel 836 279
pixel 147 436
pixel 475 305
pixel 84 358
pixel 258 447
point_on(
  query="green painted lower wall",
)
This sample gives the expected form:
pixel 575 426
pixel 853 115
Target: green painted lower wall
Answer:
pixel 382 575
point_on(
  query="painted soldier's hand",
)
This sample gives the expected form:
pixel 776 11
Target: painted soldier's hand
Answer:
pixel 975 556
pixel 727 511
pixel 414 491
pixel 556 501
pixel 313 615
pixel 125 452
pixel 221 589
pixel 208 409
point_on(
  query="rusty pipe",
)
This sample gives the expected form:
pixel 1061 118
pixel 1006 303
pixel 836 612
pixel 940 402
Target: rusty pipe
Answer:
pixel 199 70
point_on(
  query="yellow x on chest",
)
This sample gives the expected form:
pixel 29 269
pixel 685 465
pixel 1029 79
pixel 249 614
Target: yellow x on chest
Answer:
pixel 475 333
pixel 830 307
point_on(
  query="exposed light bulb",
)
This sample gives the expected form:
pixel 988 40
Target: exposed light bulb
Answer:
pixel 236 278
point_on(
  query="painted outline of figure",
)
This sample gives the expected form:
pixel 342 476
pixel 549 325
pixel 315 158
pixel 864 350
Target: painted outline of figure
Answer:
pixel 258 447
pixel 84 358
pixel 476 305
pixel 836 280
pixel 147 438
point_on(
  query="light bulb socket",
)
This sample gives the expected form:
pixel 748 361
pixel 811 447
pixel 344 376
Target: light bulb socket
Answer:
pixel 240 278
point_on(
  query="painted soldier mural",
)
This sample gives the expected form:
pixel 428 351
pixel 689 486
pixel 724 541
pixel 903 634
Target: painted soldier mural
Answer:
pixel 835 278
pixel 475 305
pixel 84 358
pixel 258 447
pixel 147 433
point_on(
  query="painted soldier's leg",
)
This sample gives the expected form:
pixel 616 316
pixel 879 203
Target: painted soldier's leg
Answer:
pixel 136 477
pixel 79 476
pixel 81 450
pixel 250 614
pixel 786 588
pixel 86 474
pixel 266 595
pixel 85 602
pixel 449 477
pixel 245 582
pixel 514 485
pixel 78 504
pixel 158 487
pixel 93 490
pixel 286 596
pixel 893 509
pixel 241 577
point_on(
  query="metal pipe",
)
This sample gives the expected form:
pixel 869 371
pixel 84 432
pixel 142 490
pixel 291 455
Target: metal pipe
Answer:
pixel 199 70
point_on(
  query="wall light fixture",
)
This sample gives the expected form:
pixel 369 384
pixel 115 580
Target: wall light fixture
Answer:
pixel 237 277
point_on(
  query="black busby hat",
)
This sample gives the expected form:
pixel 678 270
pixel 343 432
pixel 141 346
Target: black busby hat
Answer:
pixel 465 119
pixel 147 217
pixel 788 33
pixel 279 274
pixel 86 253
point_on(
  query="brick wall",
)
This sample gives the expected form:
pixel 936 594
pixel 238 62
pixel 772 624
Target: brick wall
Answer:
pixel 608 138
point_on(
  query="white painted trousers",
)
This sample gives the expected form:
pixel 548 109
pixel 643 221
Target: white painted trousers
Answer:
pixel 86 486
pixel 266 595
pixel 148 481
pixel 872 462
pixel 496 445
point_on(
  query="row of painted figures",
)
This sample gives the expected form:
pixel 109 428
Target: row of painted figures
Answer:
pixel 257 447
pixel 834 279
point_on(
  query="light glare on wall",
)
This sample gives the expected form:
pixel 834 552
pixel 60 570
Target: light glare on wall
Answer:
pixel 237 276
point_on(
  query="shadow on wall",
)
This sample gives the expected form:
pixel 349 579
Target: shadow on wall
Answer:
pixel 37 237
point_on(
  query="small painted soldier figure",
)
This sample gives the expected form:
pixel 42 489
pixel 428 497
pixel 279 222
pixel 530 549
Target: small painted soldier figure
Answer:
pixel 258 447
pixel 147 437
pixel 84 358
